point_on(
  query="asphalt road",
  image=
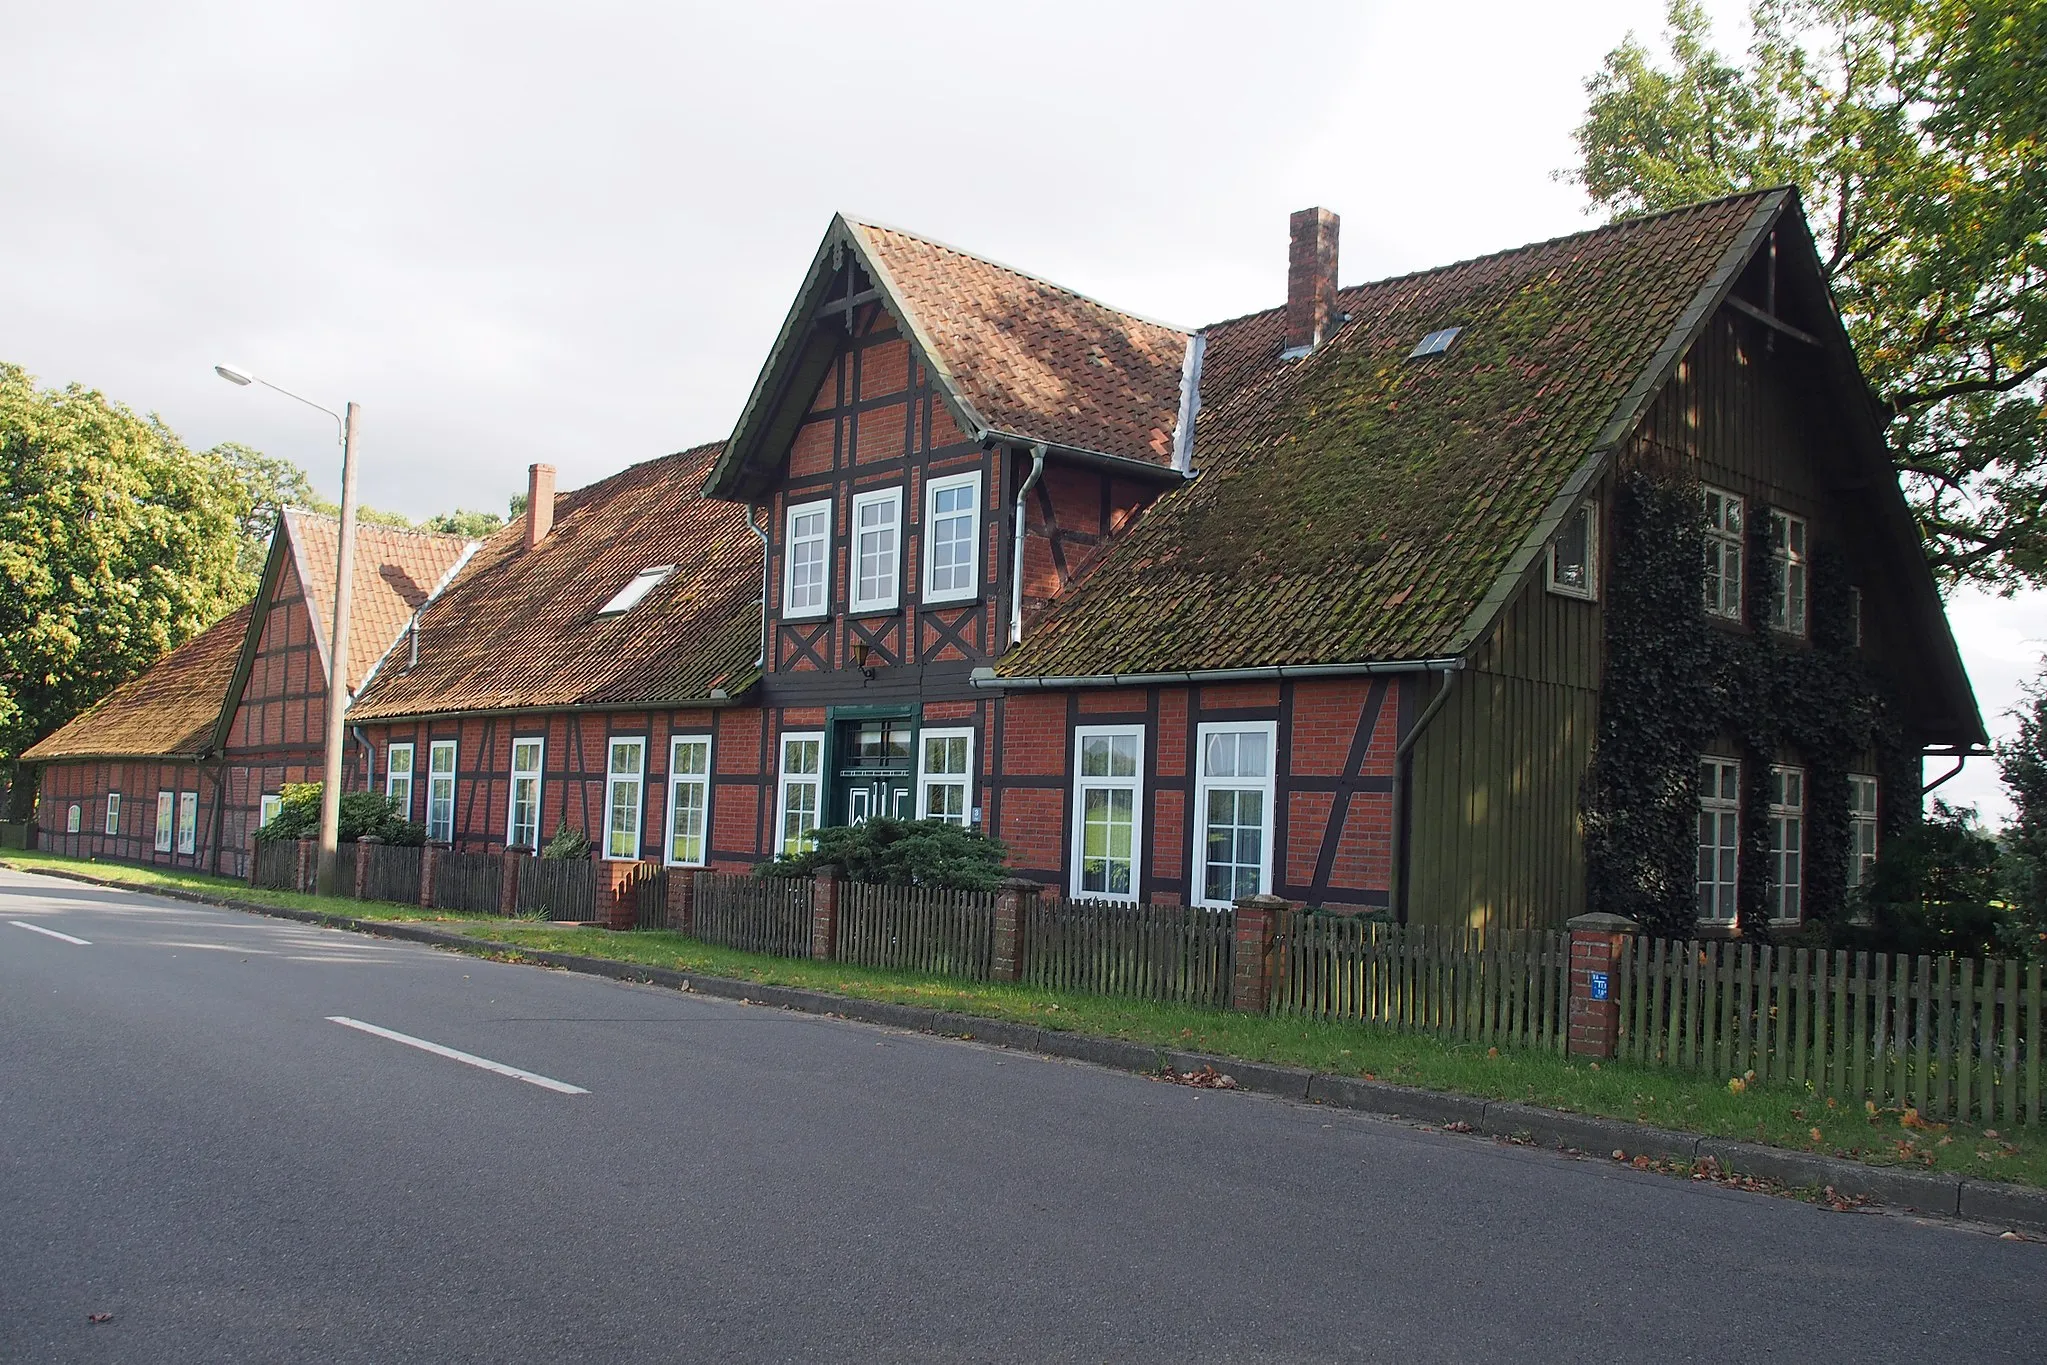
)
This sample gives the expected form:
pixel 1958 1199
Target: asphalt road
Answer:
pixel 191 1144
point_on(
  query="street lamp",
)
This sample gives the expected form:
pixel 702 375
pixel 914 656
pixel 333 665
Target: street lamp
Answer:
pixel 337 656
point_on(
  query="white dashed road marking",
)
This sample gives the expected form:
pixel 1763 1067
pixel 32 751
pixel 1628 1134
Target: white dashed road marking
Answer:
pixel 467 1059
pixel 38 929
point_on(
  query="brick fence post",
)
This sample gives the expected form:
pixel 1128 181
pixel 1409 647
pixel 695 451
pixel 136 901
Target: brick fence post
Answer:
pixel 362 865
pixel 308 860
pixel 1012 905
pixel 618 893
pixel 682 899
pixel 824 913
pixel 429 863
pixel 509 864
pixel 1597 942
pixel 1258 920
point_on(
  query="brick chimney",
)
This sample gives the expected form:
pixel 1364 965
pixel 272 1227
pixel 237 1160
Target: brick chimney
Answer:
pixel 1310 279
pixel 539 503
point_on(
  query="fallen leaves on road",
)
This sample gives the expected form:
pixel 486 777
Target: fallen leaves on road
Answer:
pixel 99 1317
pixel 1207 1078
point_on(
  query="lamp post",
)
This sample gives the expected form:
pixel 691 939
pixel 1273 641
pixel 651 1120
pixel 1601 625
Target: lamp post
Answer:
pixel 337 654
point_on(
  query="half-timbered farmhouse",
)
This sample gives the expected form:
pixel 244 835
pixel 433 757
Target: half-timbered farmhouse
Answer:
pixel 1313 601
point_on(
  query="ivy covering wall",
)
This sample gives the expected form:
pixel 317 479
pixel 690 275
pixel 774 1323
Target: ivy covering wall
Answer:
pixel 1679 685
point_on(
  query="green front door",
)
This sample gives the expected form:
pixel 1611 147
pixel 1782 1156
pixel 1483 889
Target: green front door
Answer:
pixel 874 774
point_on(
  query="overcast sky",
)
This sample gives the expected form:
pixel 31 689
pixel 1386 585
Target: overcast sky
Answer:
pixel 569 233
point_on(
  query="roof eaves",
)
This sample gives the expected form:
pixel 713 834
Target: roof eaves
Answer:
pixel 259 614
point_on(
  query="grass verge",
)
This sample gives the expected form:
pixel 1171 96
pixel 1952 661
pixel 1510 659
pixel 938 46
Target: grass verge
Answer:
pixel 1780 1116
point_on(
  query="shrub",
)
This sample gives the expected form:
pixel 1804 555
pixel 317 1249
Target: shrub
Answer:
pixel 891 852
pixel 363 814
pixel 1935 891
pixel 567 843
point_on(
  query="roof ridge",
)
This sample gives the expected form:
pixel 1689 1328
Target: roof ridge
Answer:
pixel 307 512
pixel 1506 252
pixel 1020 274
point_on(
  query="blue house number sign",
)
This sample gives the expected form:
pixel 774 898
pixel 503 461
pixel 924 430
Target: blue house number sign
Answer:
pixel 1599 985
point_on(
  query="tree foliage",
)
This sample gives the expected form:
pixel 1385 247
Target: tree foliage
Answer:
pixel 2022 760
pixel 894 852
pixel 1914 130
pixel 117 543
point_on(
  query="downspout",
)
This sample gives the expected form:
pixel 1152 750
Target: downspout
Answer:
pixel 1016 561
pixel 369 751
pixel 1927 790
pixel 761 531
pixel 1403 763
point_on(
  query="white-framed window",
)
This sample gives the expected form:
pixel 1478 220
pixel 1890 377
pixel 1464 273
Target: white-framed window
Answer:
pixel 1233 796
pixel 166 813
pixel 1719 838
pixel 801 785
pixel 113 812
pixel 1108 832
pixel 689 799
pixel 1855 617
pixel 73 818
pixel 877 549
pixel 945 775
pixel 440 791
pixel 267 806
pixel 643 582
pixel 523 829
pixel 1574 555
pixel 807 559
pixel 624 778
pixel 1787 553
pixel 398 778
pixel 1787 843
pixel 1861 829
pixel 188 822
pixel 1723 554
pixel 952 537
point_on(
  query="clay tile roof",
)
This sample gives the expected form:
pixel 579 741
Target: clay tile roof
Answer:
pixel 1359 506
pixel 170 710
pixel 518 628
pixel 1032 359
pixel 395 572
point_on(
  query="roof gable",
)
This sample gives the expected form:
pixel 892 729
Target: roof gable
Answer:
pixel 1014 358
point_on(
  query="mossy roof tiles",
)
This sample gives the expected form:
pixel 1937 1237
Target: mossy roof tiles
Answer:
pixel 519 628
pixel 168 711
pixel 1357 506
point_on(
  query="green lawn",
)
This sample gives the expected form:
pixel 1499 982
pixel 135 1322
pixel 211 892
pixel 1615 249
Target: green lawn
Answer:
pixel 1779 1115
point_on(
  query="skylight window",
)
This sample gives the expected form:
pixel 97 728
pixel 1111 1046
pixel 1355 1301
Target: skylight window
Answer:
pixel 628 597
pixel 1435 343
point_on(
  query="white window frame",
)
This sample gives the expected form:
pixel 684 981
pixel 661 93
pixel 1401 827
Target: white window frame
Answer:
pixel 1134 784
pixel 1787 846
pixel 702 783
pixel 537 775
pixel 267 807
pixel 928 781
pixel 1790 550
pixel 188 822
pixel 971 480
pixel 1855 617
pixel 1725 535
pixel 614 781
pixel 393 777
pixel 166 820
pixel 1205 783
pixel 74 818
pixel 1726 841
pixel 785 781
pixel 1865 838
pixel 892 498
pixel 113 812
pixel 434 775
pixel 821 508
pixel 1589 591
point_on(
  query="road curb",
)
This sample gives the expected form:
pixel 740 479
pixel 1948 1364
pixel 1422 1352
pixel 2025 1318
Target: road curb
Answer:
pixel 1983 1201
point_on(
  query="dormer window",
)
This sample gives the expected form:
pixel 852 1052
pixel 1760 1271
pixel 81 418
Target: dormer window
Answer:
pixel 628 597
pixel 1574 555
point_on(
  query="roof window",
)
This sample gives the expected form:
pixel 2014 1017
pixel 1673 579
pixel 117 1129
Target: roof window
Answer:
pixel 1435 343
pixel 628 597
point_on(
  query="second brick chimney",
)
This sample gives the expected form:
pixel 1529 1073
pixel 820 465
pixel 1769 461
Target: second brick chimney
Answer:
pixel 1310 279
pixel 539 503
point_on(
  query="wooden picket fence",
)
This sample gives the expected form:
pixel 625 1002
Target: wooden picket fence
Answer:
pixel 1952 1038
pixel 557 888
pixel 391 873
pixel 1511 988
pixel 277 865
pixel 920 929
pixel 756 914
pixel 650 898
pixel 468 881
pixel 1176 953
